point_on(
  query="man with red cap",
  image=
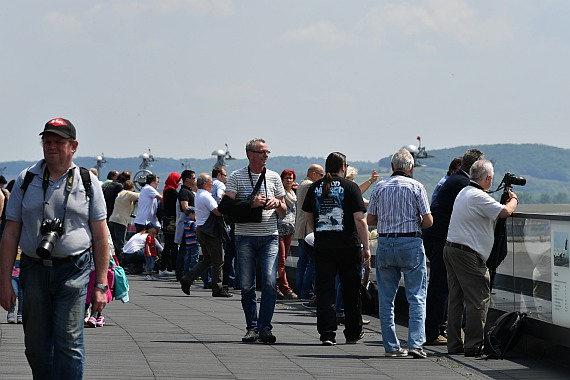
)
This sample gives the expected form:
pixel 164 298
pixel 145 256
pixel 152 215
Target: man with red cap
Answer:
pixel 57 220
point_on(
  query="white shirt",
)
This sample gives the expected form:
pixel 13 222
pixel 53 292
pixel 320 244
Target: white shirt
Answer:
pixel 473 220
pixel 203 203
pixel 148 204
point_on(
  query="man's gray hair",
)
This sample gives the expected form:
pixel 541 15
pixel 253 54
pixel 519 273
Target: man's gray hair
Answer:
pixel 252 144
pixel 202 179
pixel 402 160
pixel 481 169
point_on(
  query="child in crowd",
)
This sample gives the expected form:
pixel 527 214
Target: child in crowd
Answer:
pixel 134 250
pixel 98 320
pixel 192 247
pixel 17 291
pixel 150 251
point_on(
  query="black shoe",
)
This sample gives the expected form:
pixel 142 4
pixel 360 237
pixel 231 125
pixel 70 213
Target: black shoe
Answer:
pixel 265 336
pixel 353 341
pixel 222 293
pixel 185 285
pixel 340 321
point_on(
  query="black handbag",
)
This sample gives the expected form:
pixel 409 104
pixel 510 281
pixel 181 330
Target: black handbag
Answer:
pixel 215 227
pixel 241 211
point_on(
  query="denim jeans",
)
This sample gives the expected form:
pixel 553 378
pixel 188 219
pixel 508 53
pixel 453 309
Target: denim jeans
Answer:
pixel 53 317
pixel 395 256
pixel 19 295
pixel 253 251
pixel 305 273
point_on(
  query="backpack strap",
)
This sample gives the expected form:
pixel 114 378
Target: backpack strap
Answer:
pixel 85 178
pixel 27 179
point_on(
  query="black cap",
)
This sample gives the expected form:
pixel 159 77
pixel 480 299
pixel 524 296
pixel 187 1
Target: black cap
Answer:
pixel 61 127
pixel 3 180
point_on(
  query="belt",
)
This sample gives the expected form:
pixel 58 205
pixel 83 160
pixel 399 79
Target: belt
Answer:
pixel 461 247
pixel 401 234
pixel 55 261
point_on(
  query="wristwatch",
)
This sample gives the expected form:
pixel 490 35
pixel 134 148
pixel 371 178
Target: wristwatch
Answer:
pixel 103 287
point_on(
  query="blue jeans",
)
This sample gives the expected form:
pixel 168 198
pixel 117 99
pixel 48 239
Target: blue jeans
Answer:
pixel 191 257
pixel 53 316
pixel 393 257
pixel 251 251
pixel 19 295
pixel 305 273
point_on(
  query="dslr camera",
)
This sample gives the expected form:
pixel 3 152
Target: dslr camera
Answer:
pixel 511 179
pixel 51 229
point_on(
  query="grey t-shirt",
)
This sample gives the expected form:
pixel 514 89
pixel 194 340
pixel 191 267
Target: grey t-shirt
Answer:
pixel 81 209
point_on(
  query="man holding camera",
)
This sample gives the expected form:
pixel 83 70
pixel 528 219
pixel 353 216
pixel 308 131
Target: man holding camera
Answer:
pixel 469 243
pixel 56 219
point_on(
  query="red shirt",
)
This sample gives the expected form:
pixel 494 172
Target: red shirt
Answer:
pixel 150 243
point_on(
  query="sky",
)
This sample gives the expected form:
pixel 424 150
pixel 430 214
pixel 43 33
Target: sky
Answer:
pixel 185 77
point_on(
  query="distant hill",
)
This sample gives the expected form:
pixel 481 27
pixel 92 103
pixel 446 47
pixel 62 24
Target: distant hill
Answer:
pixel 546 168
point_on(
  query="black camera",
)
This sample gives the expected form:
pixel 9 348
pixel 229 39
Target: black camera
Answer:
pixel 511 179
pixel 51 229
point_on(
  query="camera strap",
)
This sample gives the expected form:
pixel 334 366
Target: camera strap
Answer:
pixel 258 184
pixel 68 188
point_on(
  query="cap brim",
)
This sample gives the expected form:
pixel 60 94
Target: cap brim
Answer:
pixel 62 134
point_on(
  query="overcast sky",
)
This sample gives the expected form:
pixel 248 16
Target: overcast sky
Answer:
pixel 183 77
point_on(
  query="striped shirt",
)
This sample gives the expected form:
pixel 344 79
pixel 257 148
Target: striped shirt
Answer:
pixel 240 184
pixel 398 202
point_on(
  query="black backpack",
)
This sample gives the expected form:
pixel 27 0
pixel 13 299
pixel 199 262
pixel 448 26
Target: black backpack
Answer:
pixel 503 335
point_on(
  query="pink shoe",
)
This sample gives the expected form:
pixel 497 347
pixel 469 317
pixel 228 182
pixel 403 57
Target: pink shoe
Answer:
pixel 100 321
pixel 91 322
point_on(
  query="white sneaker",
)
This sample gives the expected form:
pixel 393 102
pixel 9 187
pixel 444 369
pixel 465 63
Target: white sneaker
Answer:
pixel 148 277
pixel 11 318
pixel 169 272
pixel 162 272
pixel 19 319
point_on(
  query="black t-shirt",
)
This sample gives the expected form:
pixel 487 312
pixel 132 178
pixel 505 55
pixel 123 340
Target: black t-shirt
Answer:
pixel 110 193
pixel 186 194
pixel 333 217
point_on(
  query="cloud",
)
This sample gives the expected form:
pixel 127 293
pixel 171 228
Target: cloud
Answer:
pixel 64 22
pixel 454 19
pixel 323 34
pixel 72 23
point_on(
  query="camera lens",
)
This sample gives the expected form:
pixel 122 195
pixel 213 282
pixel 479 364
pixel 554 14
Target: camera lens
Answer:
pixel 45 247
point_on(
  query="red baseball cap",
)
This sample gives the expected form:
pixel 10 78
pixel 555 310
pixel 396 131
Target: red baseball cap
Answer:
pixel 61 127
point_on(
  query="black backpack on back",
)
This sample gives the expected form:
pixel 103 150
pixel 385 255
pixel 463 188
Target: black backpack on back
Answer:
pixel 503 335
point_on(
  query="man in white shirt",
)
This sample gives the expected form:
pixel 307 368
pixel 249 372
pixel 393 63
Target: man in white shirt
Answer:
pixel 148 204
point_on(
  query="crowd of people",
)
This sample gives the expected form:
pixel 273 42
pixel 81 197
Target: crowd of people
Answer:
pixel 236 232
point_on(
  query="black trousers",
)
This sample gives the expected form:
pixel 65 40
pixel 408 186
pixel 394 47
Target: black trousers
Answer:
pixel 347 262
pixel 169 253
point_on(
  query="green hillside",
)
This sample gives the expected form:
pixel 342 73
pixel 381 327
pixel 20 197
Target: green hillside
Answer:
pixel 546 168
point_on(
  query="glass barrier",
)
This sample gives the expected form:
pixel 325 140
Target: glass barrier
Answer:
pixel 535 276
